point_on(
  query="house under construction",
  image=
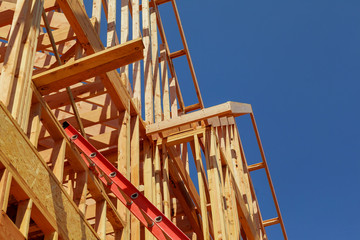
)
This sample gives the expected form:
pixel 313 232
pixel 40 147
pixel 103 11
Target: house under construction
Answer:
pixel 95 138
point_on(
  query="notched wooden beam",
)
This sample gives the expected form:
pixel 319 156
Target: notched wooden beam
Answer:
pixel 226 109
pixel 89 66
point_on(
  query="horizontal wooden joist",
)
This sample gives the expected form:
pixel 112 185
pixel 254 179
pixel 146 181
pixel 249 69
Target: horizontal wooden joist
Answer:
pixel 89 66
pixel 182 137
pixel 229 108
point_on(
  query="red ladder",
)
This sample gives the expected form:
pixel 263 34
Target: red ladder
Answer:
pixel 156 222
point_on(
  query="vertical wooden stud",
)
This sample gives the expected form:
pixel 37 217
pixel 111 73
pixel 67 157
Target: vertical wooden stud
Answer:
pixel 136 65
pixel 165 82
pixel 173 101
pixel 100 219
pixel 57 159
pixel 5 183
pixel 148 174
pixel 96 12
pixel 135 170
pixel 148 69
pixel 23 216
pixel 111 26
pixel 124 36
pixel 201 182
pixel 155 64
pixel 166 179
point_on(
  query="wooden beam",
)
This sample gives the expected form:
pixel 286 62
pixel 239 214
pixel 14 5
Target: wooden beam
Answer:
pixel 89 66
pixel 228 108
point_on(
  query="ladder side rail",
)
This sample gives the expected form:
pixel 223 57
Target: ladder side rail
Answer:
pixel 141 207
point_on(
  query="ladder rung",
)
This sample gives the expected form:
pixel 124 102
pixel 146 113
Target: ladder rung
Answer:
pixel 270 222
pixel 256 166
pixel 177 54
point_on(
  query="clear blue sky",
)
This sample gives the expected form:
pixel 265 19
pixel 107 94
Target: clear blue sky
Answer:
pixel 297 63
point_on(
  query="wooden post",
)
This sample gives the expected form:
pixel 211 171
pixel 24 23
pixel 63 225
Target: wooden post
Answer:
pixel 136 65
pixel 111 26
pixel 80 190
pixel 123 162
pixel 57 158
pixel 201 182
pixel 35 124
pixel 155 64
pixel 158 181
pixel 148 69
pixel 135 170
pixel 148 175
pixel 96 12
pixel 5 183
pixel 124 36
pixel 165 82
pixel 173 101
pixel 23 216
pixel 100 219
pixel 166 179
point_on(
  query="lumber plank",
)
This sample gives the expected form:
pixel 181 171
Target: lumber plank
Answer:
pixel 148 174
pixel 201 182
pixel 166 184
pixel 124 36
pixel 136 66
pixel 23 216
pixel 100 219
pixel 155 64
pixel 228 108
pixel 135 169
pixel 165 82
pixel 5 183
pixel 89 66
pixel 148 65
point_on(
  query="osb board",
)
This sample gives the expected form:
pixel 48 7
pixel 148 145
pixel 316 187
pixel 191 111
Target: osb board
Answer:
pixel 29 170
